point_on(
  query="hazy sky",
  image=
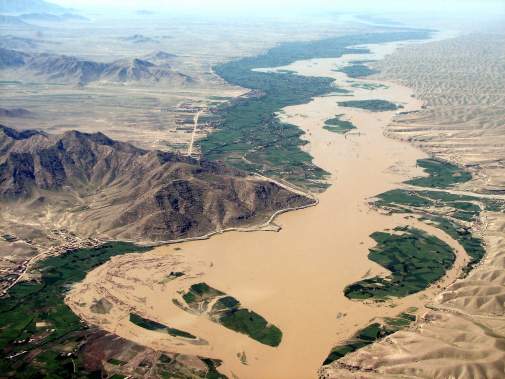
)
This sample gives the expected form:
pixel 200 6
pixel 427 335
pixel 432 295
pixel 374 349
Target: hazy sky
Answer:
pixel 269 6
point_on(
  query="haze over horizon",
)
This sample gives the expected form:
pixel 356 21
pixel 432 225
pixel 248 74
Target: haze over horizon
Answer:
pixel 265 7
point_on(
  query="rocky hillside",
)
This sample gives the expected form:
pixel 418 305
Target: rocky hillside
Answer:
pixel 93 186
pixel 73 70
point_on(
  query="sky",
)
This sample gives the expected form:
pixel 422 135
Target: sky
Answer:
pixel 294 6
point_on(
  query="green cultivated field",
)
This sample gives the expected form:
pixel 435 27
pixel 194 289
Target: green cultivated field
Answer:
pixel 42 302
pixel 228 312
pixel 337 125
pixel 157 327
pixel 250 137
pixel 368 86
pixel 369 335
pixel 371 105
pixel 414 258
pixel 441 174
pixel 449 212
pixel 357 70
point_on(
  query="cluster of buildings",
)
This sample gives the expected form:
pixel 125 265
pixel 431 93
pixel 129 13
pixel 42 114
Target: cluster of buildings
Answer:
pixel 62 241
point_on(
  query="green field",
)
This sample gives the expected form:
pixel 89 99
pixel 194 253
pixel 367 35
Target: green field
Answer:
pixel 370 334
pixel 441 174
pixel 228 312
pixel 157 327
pixel 368 86
pixel 48 340
pixel 371 105
pixel 473 245
pixel 447 211
pixel 42 302
pixel 232 316
pixel 463 209
pixel 357 70
pixel 337 125
pixel 250 136
pixel 415 259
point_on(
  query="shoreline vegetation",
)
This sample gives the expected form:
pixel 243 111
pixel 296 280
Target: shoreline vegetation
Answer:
pixel 374 332
pixel 227 311
pixel 358 69
pixel 415 259
pixel 251 137
pixel 35 321
pixel 374 105
pixel 158 327
pixel 337 125
pixel 453 214
pixel 40 336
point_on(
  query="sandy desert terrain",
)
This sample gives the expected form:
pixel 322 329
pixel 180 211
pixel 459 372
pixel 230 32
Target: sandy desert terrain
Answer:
pixel 461 81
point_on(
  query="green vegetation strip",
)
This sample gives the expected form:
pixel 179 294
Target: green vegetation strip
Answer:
pixel 442 209
pixel 414 258
pixel 441 174
pixel 473 246
pixel 357 70
pixel 337 125
pixel 45 348
pixel 368 86
pixel 157 327
pixel 449 212
pixel 370 334
pixel 228 312
pixel 371 105
pixel 250 136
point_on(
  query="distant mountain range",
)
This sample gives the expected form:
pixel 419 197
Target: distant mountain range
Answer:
pixel 160 56
pixel 49 17
pixel 73 70
pixel 14 112
pixel 18 43
pixel 29 18
pixel 25 6
pixel 97 186
pixel 138 38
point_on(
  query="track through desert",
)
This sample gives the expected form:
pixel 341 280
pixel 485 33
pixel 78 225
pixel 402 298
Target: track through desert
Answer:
pixel 195 127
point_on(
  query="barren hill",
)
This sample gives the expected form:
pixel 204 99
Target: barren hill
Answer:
pixel 68 69
pixel 93 185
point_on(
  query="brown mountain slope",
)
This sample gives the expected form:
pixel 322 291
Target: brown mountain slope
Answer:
pixel 95 186
pixel 73 70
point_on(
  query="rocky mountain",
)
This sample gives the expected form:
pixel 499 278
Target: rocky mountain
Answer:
pixel 160 56
pixel 49 17
pixel 22 6
pixel 14 112
pixel 138 39
pixel 68 69
pixel 93 185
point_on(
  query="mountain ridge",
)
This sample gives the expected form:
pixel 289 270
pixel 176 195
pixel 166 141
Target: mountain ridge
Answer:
pixel 70 69
pixel 93 185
